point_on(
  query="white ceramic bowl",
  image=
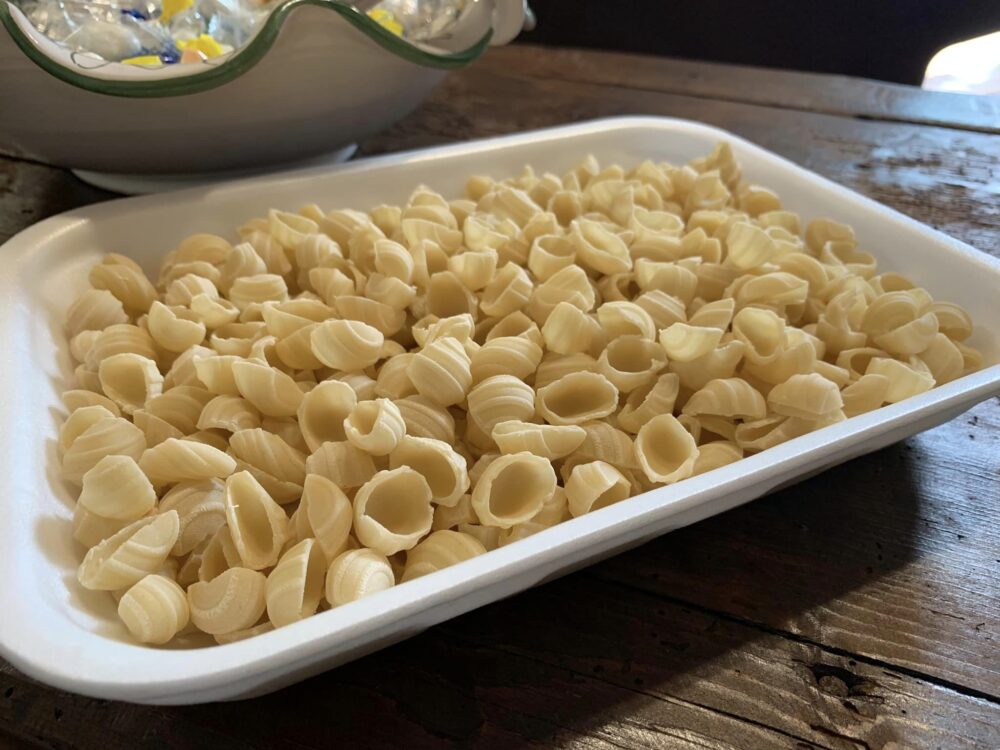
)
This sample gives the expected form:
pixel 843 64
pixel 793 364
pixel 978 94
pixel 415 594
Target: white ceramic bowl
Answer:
pixel 316 76
pixel 57 632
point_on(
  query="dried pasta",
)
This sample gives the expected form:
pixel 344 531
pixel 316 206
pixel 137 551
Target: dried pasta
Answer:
pixel 330 403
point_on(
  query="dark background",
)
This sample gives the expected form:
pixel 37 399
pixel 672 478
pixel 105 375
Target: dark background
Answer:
pixel 891 40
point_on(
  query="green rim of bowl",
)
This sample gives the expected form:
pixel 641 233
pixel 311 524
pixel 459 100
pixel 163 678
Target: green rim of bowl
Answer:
pixel 243 60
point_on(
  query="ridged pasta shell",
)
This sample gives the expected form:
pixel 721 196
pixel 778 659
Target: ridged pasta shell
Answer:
pixel 718 314
pixel 323 410
pixel 383 318
pixel 116 488
pixel 609 444
pixel 809 396
pixel 568 330
pixel 748 246
pixel 269 453
pixel 356 574
pixel 76 399
pixel 121 338
pixel 154 610
pixel 131 554
pixel 904 380
pixel 442 467
pixel 598 248
pixel 684 342
pixel 910 338
pixel 576 398
pixel 440 550
pixel 595 485
pixel 201 511
pixel 715 455
pixel 944 359
pixel 663 308
pixel 294 588
pixel 498 399
pixel 178 460
pixel 727 397
pixel 328 513
pixel 629 362
pixel 342 463
pixel 549 441
pixel 770 431
pixel 665 450
pixel 375 427
pixel 94 310
pixel 230 413
pixel 130 380
pixel 517 356
pixel 441 371
pixel 108 436
pixel 346 344
pixel 953 321
pixel 426 419
pixel 271 391
pixel 392 510
pixel 90 530
pixel 232 601
pixel 648 401
pixel 128 283
pixel 256 522
pixel 512 489
pixel 82 419
pixel 865 394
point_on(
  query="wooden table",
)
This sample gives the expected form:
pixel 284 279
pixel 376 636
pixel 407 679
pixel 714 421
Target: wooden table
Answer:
pixel 859 609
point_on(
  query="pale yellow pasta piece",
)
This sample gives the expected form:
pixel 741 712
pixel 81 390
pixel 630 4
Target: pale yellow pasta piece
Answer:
pixel 569 330
pixel 130 554
pixel 201 510
pixel 865 394
pixel 856 361
pixel 944 359
pixel 648 401
pixel 599 249
pixel 90 530
pixel 749 246
pixel 576 398
pixel 362 384
pixel 665 450
pixel 727 397
pixel 427 419
pixel 673 279
pixel 116 488
pixel 904 379
pixel 512 489
pixel 718 314
pixel 549 254
pixel 356 574
pixel 447 296
pixel 762 332
pixel 684 342
pixel 375 426
pixel 121 338
pixel 440 550
pixel 230 413
pixel 94 310
pixel 294 588
pixel 664 309
pixel 181 406
pixel 77 399
pixel 328 513
pixel 595 485
pixel 269 453
pixel 605 442
pixel 629 362
pixel 392 510
pixel 507 292
pixel 449 518
pixel 130 380
pixel 518 356
pixel 488 536
pixel 81 420
pixel 109 436
pixel 154 610
pixel 342 463
pixel 258 525
pixel 474 269
pixel 500 398
pixel 953 321
pixel 549 441
pixel 626 319
pixel 282 319
pixel 219 555
pixel 554 366
pixel 232 601
pixel 809 396
pixel 216 374
pixel 175 460
pixel 441 466
pixel 889 311
pixel 174 329
pixel 715 455
pixel 910 338
pixel 247 292
pixel 127 282
pixel 441 371
pixel 183 288
pixel 516 324
pixel 770 431
pixel 346 344
pixel 323 410
pixel 838 375
pixel 271 391
pixel 571 285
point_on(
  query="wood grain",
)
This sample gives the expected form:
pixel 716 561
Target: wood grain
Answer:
pixel 859 609
pixel 787 89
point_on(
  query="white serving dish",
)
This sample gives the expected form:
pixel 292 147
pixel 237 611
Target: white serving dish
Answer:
pixel 62 635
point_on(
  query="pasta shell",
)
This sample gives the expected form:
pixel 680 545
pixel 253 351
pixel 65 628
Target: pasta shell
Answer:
pixel 512 489
pixel 178 460
pixel 865 394
pixel 944 359
pixel 630 362
pixel 911 338
pixel 120 338
pixel 665 450
pixel 130 380
pixel 516 324
pixel 180 406
pixel 375 427
pixel 441 371
pixel 440 550
pixel 440 465
pixel 715 455
pixel 90 530
pixel 904 380
pixel 749 246
pixel 426 419
pixel 200 509
pixel 271 391
pixel 128 283
pixel 94 310
pixel 609 444
pixel 684 343
pixel 116 488
pixel 664 309
pixel 356 574
pixel 548 441
pixel 718 314
pixel 762 332
pixel 295 586
pixel 517 356
pixel 555 366
pixel 154 610
pixel 549 254
pixel 109 436
pixel 258 525
pixel 346 344
pixel 76 399
pixel 571 285
pixel 392 510
pixel 671 278
pixel 626 319
pixel 269 453
pixel 648 401
pixel 595 485
pixel 953 321
pixel 329 514
pixel 771 431
pixel 342 463
pixel 808 396
pixel 216 374
pixel 507 292
pixel 728 397
pixel 230 413
pixel 230 602
pixel 80 420
pixel 599 249
pixel 219 555
pixel 383 318
pixel 498 399
pixel 323 410
pixel 131 554
pixel 576 398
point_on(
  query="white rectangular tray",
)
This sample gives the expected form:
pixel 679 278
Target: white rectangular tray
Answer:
pixel 60 634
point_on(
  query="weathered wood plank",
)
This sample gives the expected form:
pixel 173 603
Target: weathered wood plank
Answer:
pixel 814 92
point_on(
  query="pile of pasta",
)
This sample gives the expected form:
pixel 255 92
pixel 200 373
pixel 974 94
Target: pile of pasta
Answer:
pixel 344 401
